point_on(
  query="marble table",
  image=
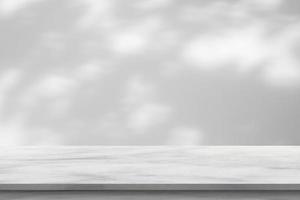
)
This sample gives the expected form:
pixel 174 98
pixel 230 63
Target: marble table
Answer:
pixel 150 172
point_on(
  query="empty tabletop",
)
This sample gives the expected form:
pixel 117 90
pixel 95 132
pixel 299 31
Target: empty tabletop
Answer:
pixel 150 168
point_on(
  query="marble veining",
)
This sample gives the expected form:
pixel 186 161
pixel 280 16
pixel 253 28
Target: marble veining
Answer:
pixel 150 167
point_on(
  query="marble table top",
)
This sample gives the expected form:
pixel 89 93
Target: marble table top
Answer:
pixel 150 168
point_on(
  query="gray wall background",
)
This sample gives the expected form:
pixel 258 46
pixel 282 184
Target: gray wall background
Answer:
pixel 149 72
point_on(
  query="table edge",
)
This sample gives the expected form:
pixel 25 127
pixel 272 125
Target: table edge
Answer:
pixel 150 187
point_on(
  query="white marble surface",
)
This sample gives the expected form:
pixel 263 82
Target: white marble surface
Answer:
pixel 150 168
